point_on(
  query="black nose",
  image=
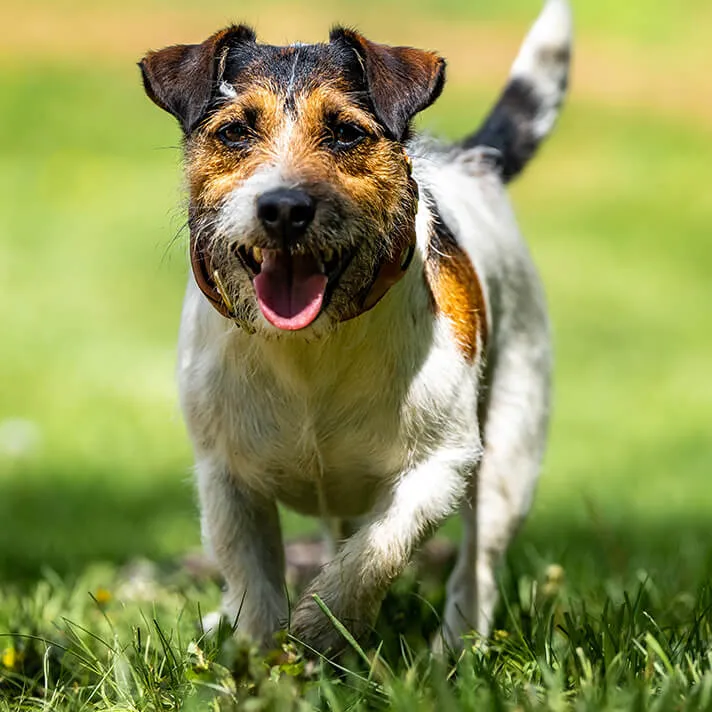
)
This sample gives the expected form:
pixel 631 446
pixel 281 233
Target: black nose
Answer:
pixel 286 213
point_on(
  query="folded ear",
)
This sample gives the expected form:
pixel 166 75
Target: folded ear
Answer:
pixel 184 78
pixel 401 80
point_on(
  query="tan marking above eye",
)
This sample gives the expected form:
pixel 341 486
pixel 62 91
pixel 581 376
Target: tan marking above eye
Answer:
pixel 327 103
pixel 257 105
pixel 371 174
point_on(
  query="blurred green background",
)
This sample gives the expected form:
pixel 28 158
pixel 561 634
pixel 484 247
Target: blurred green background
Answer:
pixel 94 460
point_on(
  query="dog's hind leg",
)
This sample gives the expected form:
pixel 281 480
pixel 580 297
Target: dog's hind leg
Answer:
pixel 241 530
pixel 514 421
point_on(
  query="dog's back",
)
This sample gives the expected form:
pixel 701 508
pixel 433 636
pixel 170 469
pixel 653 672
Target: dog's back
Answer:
pixel 465 182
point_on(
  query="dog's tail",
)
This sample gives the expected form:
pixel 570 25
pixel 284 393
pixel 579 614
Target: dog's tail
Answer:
pixel 527 110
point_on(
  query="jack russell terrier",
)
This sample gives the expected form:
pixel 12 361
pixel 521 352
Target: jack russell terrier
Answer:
pixel 364 338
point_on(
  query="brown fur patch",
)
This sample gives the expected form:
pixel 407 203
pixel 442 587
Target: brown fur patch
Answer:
pixel 214 169
pixel 372 174
pixel 456 290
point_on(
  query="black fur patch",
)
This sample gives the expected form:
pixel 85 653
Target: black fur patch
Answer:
pixel 391 83
pixel 509 128
pixel 294 69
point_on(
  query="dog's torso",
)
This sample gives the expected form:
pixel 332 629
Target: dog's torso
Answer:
pixel 325 425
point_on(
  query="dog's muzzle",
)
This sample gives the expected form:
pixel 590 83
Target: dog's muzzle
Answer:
pixel 292 288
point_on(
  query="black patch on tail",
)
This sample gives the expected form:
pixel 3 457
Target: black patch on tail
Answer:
pixel 509 128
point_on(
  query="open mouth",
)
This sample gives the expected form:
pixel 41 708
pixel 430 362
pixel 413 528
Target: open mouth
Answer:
pixel 292 288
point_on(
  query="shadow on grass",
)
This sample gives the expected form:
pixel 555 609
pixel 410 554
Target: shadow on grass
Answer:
pixel 668 561
pixel 63 522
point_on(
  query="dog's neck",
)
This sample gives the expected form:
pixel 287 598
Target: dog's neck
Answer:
pixel 400 324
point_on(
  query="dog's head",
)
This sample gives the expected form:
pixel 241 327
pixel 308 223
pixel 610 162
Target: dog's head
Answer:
pixel 300 189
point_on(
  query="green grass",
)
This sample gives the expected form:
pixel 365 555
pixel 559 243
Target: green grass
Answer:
pixel 642 646
pixel 95 465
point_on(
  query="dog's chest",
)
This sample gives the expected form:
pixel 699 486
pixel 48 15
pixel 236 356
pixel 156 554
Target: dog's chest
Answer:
pixel 324 426
pixel 326 450
pixel 321 436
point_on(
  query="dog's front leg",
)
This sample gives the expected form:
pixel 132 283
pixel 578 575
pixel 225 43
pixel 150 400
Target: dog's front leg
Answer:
pixel 353 584
pixel 242 531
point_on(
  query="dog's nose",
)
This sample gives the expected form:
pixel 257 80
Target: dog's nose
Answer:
pixel 286 213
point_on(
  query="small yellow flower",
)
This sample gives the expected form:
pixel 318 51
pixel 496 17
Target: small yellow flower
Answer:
pixel 501 635
pixel 555 574
pixel 102 596
pixel 10 658
pixel 555 577
pixel 198 661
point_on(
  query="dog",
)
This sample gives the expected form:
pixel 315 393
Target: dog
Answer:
pixel 364 338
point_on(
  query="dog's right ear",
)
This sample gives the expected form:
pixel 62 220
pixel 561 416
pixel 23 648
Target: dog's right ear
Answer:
pixel 183 79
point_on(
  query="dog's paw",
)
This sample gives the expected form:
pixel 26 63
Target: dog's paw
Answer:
pixel 320 632
pixel 210 623
pixel 438 645
pixel 218 626
pixel 447 646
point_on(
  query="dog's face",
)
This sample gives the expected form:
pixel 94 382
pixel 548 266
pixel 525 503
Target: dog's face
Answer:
pixel 299 186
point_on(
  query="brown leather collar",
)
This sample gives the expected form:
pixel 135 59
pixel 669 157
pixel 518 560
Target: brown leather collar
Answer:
pixel 208 279
pixel 385 276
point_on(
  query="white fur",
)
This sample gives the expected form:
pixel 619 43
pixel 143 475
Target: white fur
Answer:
pixel 518 383
pixel 543 62
pixel 376 421
pixel 227 90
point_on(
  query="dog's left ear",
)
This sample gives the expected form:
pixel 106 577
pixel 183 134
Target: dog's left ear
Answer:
pixel 183 79
pixel 401 80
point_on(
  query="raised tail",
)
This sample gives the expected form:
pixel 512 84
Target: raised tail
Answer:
pixel 528 108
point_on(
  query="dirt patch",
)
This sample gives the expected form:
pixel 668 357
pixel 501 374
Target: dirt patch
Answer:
pixel 666 82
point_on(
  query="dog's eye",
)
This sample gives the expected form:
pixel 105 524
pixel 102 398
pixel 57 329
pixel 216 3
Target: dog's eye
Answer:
pixel 347 135
pixel 234 134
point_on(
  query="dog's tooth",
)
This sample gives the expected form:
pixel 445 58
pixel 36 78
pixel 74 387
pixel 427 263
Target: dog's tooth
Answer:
pixel 257 255
pixel 328 254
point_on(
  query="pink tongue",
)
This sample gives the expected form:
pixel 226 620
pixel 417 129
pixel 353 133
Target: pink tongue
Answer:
pixel 290 289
